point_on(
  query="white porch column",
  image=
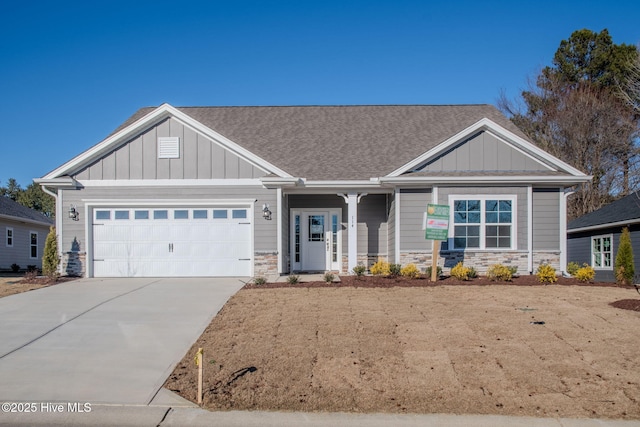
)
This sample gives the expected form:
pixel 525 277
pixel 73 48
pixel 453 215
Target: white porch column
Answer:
pixel 279 219
pixel 352 213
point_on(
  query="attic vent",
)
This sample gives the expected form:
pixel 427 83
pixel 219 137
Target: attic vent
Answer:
pixel 169 148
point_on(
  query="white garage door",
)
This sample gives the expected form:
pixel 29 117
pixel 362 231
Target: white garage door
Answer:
pixel 172 242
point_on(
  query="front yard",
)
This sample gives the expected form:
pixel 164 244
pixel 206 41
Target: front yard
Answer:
pixel 427 349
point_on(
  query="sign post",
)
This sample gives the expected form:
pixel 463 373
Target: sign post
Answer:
pixel 437 229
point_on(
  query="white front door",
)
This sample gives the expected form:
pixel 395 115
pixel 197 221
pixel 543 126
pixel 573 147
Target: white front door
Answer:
pixel 315 241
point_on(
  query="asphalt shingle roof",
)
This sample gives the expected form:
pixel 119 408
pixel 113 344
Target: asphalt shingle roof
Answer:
pixel 625 209
pixel 10 208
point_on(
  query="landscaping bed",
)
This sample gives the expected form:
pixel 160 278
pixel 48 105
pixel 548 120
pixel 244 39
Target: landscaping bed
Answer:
pixel 17 284
pixel 375 344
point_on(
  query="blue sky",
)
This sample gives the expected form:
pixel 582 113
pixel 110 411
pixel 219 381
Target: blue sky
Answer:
pixel 71 72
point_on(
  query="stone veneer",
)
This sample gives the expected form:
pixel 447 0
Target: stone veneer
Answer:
pixel 265 264
pixel 73 264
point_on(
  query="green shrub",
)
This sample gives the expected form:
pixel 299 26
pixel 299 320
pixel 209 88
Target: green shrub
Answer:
pixel 15 267
pixel 428 271
pixel 586 273
pixel 513 269
pixel 472 273
pixel 410 271
pixel 395 269
pixel 50 259
pixel 460 272
pixel 572 268
pixel 293 279
pixel 359 270
pixel 380 268
pixel 624 259
pixel 546 274
pixel 499 272
pixel 328 277
pixel 259 281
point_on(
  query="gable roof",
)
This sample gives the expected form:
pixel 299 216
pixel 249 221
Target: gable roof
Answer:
pixel 620 212
pixel 14 210
pixel 325 143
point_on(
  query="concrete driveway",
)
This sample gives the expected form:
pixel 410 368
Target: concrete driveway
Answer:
pixel 102 340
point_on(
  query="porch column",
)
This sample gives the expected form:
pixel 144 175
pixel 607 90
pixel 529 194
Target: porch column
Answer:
pixel 352 212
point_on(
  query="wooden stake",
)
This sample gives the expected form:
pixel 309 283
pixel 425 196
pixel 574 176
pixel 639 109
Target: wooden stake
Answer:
pixel 199 363
pixel 434 260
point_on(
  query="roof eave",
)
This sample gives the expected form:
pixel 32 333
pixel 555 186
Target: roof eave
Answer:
pixel 497 179
pixel 604 225
pixel 25 220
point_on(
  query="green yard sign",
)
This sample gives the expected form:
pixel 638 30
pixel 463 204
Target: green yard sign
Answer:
pixel 437 222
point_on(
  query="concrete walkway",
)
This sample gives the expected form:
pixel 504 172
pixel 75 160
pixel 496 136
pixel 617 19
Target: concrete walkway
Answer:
pixel 102 340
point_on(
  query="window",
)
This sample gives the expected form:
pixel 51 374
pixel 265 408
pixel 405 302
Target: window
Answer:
pixel 33 244
pixel 141 215
pixel 200 214
pixel 239 213
pixel 316 228
pixel 483 222
pixel 160 214
pixel 334 237
pixel 602 252
pixel 103 214
pixel 219 214
pixel 181 214
pixel 297 239
pixel 122 215
pixel 9 241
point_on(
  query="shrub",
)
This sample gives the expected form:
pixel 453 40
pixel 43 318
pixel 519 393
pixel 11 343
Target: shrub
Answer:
pixel 572 268
pixel 259 281
pixel 586 273
pixel 50 259
pixel 293 279
pixel 499 272
pixel 410 271
pixel 546 274
pixel 438 271
pixel 624 259
pixel 380 268
pixel 15 267
pixel 513 269
pixel 359 270
pixel 328 277
pixel 472 273
pixel 32 269
pixel 395 269
pixel 460 272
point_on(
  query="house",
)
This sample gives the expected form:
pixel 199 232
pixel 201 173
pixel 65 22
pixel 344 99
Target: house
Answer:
pixel 24 232
pixel 255 191
pixel 595 237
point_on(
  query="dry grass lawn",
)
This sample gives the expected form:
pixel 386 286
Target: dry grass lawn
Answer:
pixel 443 349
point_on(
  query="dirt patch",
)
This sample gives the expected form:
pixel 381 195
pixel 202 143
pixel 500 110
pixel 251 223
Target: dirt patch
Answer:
pixel 421 349
pixel 627 304
pixel 16 285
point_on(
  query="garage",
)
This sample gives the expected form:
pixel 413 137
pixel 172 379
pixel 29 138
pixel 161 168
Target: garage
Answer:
pixel 165 241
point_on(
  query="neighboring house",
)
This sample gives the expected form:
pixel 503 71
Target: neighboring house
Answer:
pixel 249 191
pixel 24 232
pixel 594 238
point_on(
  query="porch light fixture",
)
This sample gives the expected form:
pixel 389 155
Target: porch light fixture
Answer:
pixel 73 213
pixel 266 213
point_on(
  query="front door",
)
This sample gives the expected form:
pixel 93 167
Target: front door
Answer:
pixel 315 241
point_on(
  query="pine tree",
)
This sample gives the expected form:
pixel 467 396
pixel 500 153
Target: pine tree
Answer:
pixel 624 259
pixel 50 260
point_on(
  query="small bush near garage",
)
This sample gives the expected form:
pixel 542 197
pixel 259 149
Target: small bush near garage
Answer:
pixel 546 274
pixel 585 274
pixel 499 272
pixel 624 259
pixel 410 271
pixel 381 268
pixel 50 260
pixel 428 271
pixel 15 267
pixel 259 281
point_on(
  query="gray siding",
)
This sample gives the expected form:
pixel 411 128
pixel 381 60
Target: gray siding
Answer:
pixel 546 219
pixel 264 231
pixel 200 158
pixel 20 252
pixel 521 198
pixel 413 205
pixel 483 152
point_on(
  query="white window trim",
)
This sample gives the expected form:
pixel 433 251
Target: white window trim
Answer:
pixel 593 264
pixel 483 197
pixel 6 235
pixel 31 245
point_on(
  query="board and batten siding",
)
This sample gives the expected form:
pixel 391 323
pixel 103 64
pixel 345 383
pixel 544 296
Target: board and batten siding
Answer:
pixel 521 200
pixel 483 152
pixel 200 158
pixel 413 205
pixel 73 232
pixel 20 252
pixel 546 219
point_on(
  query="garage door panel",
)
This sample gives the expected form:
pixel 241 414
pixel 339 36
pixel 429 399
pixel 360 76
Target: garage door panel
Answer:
pixel 146 247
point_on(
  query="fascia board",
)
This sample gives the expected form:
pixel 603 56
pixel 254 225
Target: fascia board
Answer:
pixel 604 226
pixel 506 180
pixel 25 220
pixel 62 182
pixel 248 182
pixel 157 115
pixel 505 134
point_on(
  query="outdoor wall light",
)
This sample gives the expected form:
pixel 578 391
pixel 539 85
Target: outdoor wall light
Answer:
pixel 266 213
pixel 73 213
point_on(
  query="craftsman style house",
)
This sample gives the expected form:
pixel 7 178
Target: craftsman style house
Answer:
pixel 250 191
